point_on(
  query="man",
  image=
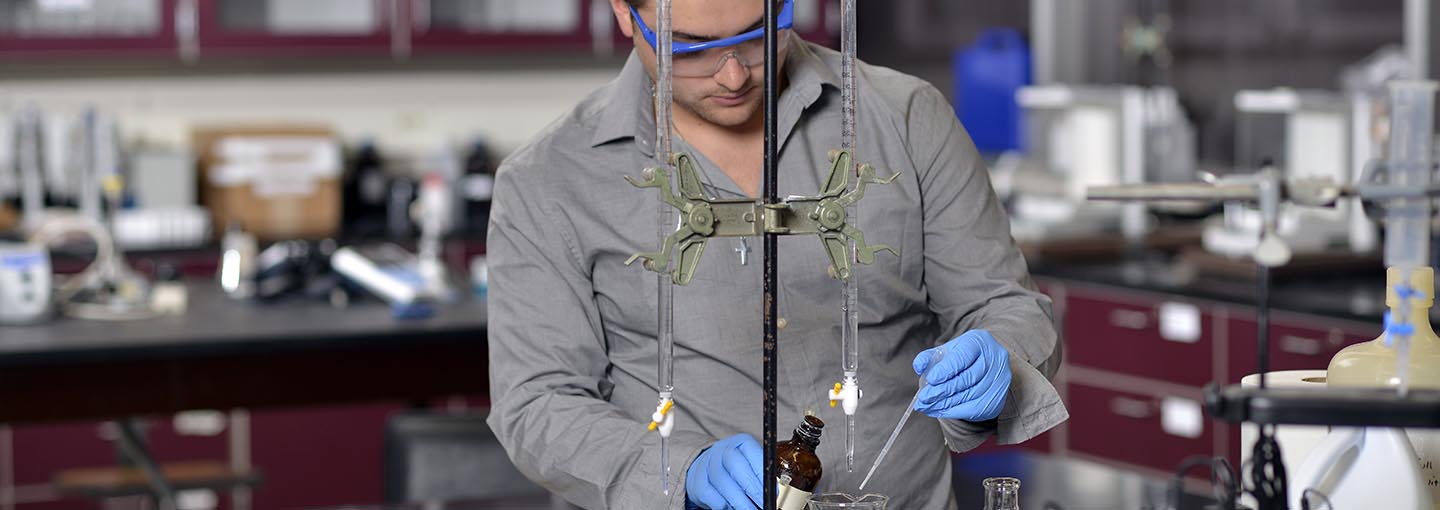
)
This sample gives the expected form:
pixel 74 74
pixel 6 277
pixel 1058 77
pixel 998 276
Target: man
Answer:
pixel 572 329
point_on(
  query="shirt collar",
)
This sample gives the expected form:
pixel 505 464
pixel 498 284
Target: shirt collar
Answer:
pixel 628 106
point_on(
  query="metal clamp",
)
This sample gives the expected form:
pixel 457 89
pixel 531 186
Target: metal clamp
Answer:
pixel 702 218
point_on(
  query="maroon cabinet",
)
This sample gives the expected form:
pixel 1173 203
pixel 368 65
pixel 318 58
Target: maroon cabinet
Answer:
pixel 1137 428
pixel 531 27
pixel 320 27
pixel 1296 342
pixel 1123 332
pixel 323 456
pixel 102 29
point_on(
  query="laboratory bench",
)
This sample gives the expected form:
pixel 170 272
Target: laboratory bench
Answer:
pixel 300 389
pixel 306 389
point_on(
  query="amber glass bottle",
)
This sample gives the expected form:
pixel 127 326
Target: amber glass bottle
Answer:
pixel 797 466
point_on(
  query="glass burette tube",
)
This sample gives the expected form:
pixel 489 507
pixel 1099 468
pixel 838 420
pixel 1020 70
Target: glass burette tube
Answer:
pixel 667 218
pixel 850 330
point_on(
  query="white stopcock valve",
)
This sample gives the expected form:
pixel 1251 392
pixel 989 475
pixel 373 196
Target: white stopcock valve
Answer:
pixel 847 394
pixel 663 419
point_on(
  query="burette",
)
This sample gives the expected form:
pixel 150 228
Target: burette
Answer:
pixel 847 392
pixel 663 419
pixel 688 219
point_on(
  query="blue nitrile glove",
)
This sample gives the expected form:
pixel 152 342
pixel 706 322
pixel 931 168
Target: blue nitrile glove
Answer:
pixel 726 476
pixel 969 382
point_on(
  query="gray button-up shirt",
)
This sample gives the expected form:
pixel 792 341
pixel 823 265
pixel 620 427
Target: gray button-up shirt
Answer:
pixel 572 329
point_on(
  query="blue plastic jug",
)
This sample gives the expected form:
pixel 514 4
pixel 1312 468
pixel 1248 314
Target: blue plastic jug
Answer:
pixel 987 75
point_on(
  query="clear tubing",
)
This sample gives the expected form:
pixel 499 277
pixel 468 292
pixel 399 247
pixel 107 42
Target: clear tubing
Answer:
pixel 665 225
pixel 850 330
pixel 1407 223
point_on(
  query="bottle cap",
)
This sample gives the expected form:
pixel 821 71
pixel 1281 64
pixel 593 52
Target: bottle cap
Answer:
pixel 811 428
pixel 1421 282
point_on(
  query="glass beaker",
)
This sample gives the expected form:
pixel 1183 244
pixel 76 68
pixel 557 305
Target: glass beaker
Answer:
pixel 1002 493
pixel 842 501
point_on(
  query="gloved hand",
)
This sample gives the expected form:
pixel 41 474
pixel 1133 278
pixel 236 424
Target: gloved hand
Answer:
pixel 969 381
pixel 726 476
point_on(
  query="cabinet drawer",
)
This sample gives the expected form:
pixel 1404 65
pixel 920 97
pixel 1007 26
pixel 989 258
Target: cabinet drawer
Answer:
pixel 1295 344
pixel 40 451
pixel 1155 432
pixel 1163 340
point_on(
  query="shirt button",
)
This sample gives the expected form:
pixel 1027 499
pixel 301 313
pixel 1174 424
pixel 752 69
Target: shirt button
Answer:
pixel 781 322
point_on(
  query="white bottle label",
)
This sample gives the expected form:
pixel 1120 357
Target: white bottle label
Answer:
pixel 790 498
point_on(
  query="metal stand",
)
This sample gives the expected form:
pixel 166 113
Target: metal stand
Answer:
pixel 134 448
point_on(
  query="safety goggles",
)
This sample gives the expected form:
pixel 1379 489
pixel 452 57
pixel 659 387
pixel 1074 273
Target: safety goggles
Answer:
pixel 700 59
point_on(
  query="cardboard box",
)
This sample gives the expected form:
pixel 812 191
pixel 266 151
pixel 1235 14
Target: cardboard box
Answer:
pixel 278 182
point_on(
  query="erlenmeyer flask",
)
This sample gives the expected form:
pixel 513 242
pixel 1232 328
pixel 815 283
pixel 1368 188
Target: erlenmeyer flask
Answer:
pixel 1002 494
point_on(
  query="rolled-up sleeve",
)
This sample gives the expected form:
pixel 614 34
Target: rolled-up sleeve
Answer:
pixel 548 387
pixel 976 277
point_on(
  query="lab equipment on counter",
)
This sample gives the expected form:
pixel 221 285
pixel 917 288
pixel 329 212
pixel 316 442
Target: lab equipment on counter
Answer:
pixel 389 272
pixel 798 469
pixel 29 139
pixel 1002 493
pixel 281 182
pixel 475 189
pixel 1302 135
pixel 25 283
pixel 239 254
pixel 169 295
pixel 107 289
pixel 1079 137
pixel 434 212
pixel 366 194
pixel 480 276
pixel 842 501
pixel 297 267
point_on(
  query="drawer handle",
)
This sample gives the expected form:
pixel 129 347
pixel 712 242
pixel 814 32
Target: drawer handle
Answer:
pixel 1300 345
pixel 1130 319
pixel 1130 408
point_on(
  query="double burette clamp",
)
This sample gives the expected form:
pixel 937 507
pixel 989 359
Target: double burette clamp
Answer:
pixel 701 218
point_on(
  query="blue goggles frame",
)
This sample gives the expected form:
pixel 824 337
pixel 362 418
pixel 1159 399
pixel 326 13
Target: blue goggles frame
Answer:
pixel 786 21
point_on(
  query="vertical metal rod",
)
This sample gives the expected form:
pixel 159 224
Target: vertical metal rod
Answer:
pixel 1262 310
pixel 771 303
pixel 1417 37
pixel 134 448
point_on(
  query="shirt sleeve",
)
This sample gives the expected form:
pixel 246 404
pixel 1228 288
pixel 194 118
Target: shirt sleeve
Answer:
pixel 976 276
pixel 548 386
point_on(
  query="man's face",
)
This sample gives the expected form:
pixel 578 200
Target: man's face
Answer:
pixel 731 96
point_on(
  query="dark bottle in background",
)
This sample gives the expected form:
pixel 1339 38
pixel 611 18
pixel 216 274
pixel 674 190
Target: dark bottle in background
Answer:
pixel 366 195
pixel 476 186
pixel 797 466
